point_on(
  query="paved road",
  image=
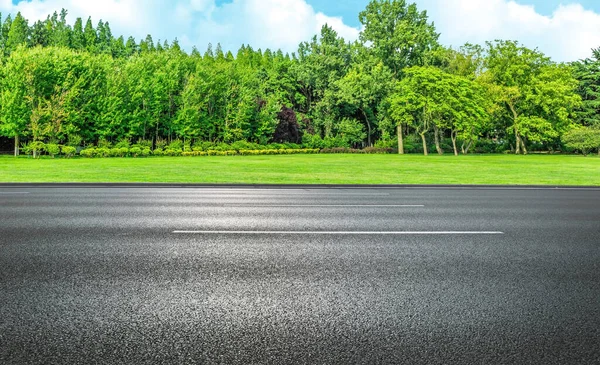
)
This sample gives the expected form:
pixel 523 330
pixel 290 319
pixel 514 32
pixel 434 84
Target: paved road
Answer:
pixel 171 275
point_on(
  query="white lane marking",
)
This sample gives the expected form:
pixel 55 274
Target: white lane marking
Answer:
pixel 347 233
pixel 324 205
pixel 13 192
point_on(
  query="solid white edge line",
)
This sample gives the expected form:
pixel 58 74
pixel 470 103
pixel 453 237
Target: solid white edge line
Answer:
pixel 359 233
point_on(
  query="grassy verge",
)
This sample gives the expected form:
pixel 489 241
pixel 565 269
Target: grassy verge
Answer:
pixel 312 169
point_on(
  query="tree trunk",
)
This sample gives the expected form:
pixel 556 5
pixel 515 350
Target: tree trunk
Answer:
pixel 453 136
pixel 17 145
pixel 425 152
pixel 436 134
pixel 401 140
pixel 523 146
pixel 518 139
pixel 368 126
pixel 468 147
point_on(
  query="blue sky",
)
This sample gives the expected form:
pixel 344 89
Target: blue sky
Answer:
pixel 349 9
pixel 565 30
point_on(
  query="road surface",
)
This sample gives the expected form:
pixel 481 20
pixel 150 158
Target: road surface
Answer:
pixel 128 275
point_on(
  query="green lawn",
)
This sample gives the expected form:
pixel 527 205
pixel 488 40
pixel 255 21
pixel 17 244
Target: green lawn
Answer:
pixel 312 169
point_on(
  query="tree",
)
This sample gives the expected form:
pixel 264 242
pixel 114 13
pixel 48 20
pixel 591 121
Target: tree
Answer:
pixel 90 36
pixel 18 34
pixel 428 98
pixel 15 112
pixel 587 72
pixel 538 97
pixel 365 85
pixel 78 38
pixel 288 129
pixel 400 34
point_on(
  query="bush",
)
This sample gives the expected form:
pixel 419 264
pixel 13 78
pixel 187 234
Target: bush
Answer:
pixel 102 152
pixel 103 143
pixel 69 151
pixel 88 152
pixel 146 151
pixel 124 143
pixel 335 142
pixel 243 145
pixel 313 141
pixel 175 145
pixel 341 150
pixel 390 143
pixel 380 150
pixel 53 149
pixel 582 139
pixel 202 146
pixel 135 151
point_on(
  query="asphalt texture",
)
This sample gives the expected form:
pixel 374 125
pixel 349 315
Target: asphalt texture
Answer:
pixel 96 275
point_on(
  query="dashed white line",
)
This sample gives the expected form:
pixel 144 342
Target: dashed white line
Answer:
pixel 325 205
pixel 347 233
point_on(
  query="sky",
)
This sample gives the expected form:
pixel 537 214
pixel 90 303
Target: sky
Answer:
pixel 566 30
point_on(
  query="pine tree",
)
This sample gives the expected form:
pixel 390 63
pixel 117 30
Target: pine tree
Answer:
pixel 90 36
pixel 18 34
pixel 78 39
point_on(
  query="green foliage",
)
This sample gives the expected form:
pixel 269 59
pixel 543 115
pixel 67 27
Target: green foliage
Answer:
pixel 582 139
pixel 68 151
pixel 53 149
pixel 63 85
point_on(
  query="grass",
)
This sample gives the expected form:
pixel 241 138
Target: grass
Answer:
pixel 312 169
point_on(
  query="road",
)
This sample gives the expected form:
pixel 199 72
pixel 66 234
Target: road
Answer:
pixel 128 275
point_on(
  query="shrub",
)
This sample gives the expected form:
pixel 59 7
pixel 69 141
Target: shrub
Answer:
pixel 341 150
pixel 102 152
pixel 69 151
pixel 135 151
pixel 88 152
pixel 175 145
pixel 53 149
pixel 160 144
pixel 202 146
pixel 103 143
pixel 380 150
pixel 390 143
pixel 335 142
pixel 313 141
pixel 146 151
pixel 124 143
pixel 582 139
pixel 74 140
pixel 158 152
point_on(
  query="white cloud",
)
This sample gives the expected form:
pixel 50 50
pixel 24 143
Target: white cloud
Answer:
pixel 566 35
pixel 261 23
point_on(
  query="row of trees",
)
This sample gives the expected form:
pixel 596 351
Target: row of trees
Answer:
pixel 394 87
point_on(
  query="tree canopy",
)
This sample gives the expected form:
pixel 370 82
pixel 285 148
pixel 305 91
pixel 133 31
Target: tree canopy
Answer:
pixel 396 86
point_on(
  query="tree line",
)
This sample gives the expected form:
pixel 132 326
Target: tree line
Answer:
pixel 395 87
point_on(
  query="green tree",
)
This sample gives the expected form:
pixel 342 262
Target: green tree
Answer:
pixel 587 73
pixel 18 34
pixel 537 96
pixel 400 35
pixel 90 36
pixel 78 38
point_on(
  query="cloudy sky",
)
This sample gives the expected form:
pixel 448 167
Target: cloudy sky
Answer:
pixel 563 29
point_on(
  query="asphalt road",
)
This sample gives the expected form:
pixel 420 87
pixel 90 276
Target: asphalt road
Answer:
pixel 299 276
